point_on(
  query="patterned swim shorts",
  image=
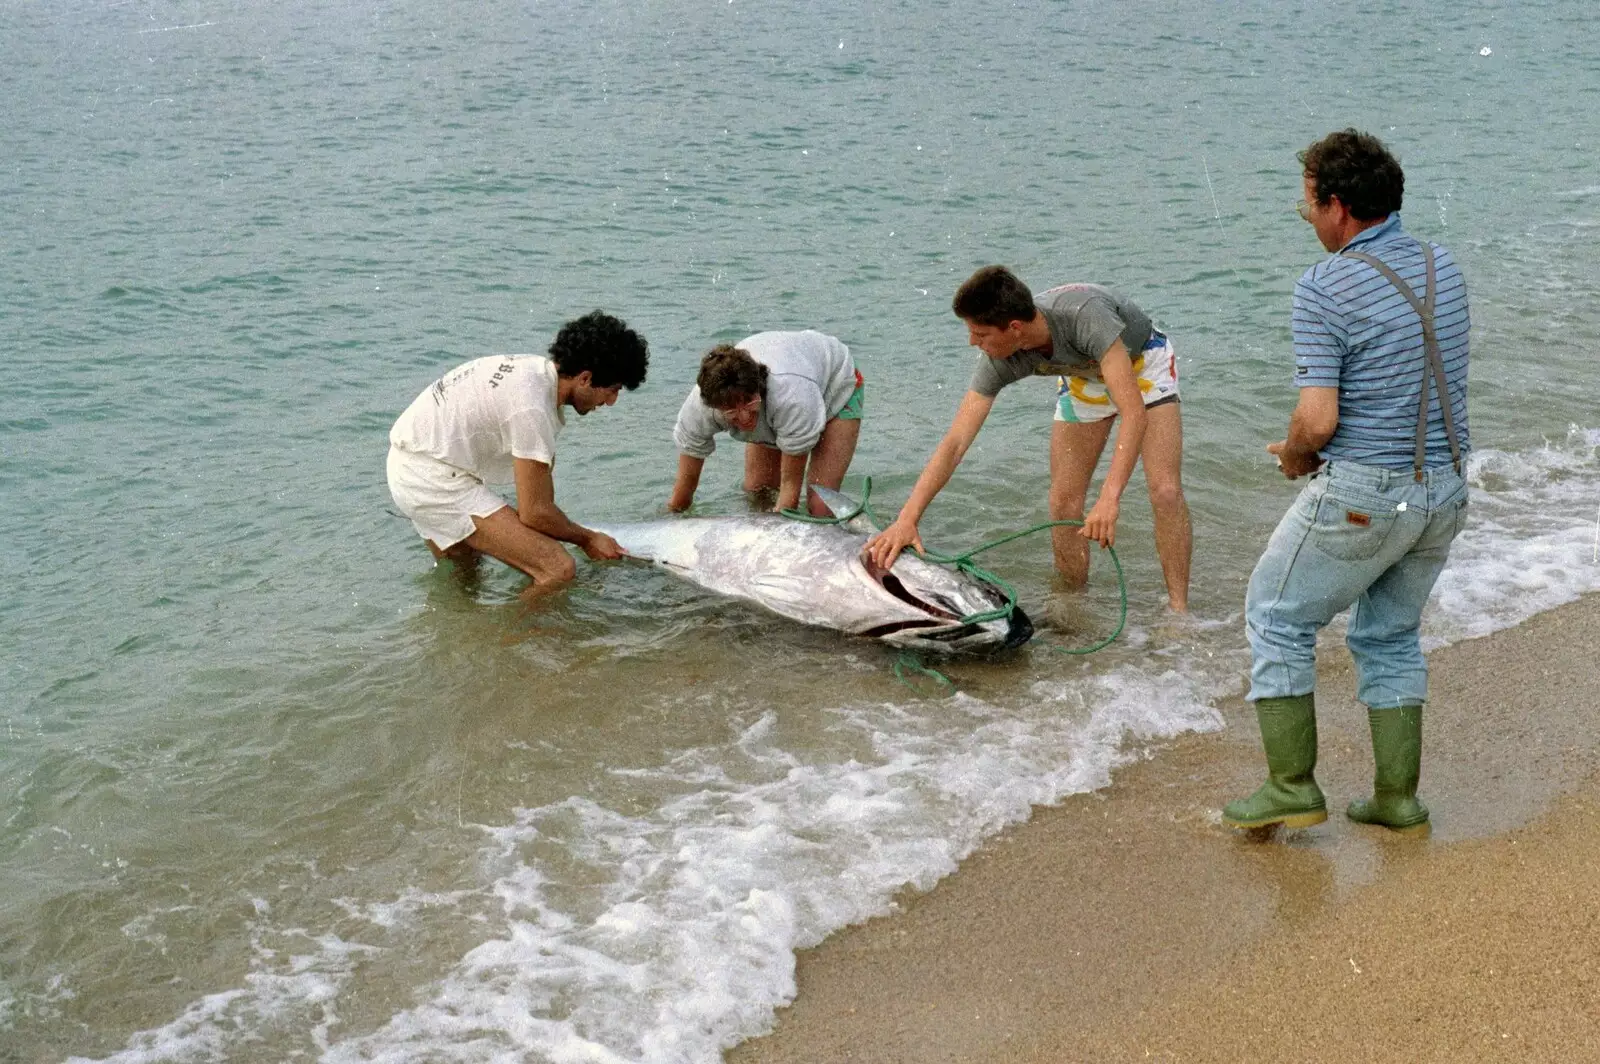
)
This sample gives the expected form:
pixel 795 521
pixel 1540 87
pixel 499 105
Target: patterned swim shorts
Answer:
pixel 1081 399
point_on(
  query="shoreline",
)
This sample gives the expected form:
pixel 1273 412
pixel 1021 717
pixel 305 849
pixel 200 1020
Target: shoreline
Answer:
pixel 1128 924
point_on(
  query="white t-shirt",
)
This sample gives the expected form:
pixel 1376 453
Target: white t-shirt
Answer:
pixel 482 414
pixel 810 376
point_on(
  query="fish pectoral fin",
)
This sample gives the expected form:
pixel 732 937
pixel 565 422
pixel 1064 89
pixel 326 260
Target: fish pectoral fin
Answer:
pixel 780 588
pixel 779 582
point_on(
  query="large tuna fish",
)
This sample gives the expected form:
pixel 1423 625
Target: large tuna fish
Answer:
pixel 815 574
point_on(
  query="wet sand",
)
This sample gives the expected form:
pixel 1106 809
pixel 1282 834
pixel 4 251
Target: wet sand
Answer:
pixel 1129 925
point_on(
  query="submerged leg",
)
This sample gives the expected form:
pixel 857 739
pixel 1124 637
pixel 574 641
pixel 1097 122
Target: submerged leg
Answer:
pixel 1074 450
pixel 762 471
pixel 1162 455
pixel 830 459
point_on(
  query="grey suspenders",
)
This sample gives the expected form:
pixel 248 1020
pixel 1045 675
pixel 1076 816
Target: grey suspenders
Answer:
pixel 1432 361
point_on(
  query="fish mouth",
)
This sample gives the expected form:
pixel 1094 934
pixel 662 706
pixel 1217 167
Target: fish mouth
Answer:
pixel 937 630
pixel 1019 629
pixel 896 587
pixel 944 624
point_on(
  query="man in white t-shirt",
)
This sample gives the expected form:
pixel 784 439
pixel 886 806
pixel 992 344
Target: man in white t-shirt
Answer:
pixel 495 420
pixel 794 398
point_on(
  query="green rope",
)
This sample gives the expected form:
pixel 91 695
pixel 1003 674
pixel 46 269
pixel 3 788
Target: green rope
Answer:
pixel 964 563
pixel 908 662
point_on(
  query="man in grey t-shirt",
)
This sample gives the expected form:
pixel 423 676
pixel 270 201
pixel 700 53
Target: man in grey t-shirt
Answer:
pixel 1109 360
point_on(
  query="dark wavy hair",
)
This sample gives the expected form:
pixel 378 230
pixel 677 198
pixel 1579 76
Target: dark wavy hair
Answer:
pixel 1357 168
pixel 730 376
pixel 612 353
pixel 993 296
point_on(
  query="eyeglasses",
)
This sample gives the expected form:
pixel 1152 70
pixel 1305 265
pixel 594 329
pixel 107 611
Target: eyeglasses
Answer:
pixel 1303 209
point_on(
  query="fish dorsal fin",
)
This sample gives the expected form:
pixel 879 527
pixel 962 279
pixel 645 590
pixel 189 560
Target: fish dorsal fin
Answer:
pixel 841 505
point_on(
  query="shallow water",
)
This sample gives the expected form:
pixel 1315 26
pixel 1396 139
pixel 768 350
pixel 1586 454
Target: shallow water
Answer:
pixel 278 789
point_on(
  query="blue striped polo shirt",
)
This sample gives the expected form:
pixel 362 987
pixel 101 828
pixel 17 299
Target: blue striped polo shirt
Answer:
pixel 1354 331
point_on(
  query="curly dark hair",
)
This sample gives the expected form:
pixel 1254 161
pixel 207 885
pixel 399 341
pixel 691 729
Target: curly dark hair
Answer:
pixel 729 376
pixel 993 296
pixel 612 353
pixel 1357 168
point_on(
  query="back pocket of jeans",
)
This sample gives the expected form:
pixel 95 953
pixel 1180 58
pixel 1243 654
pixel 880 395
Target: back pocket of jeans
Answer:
pixel 1349 531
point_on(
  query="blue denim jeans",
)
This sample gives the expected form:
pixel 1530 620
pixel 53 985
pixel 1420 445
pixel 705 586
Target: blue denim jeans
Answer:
pixel 1375 538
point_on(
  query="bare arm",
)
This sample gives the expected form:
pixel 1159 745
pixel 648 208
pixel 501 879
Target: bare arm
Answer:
pixel 887 545
pixel 1116 369
pixel 536 508
pixel 791 474
pixel 683 488
pixel 1311 426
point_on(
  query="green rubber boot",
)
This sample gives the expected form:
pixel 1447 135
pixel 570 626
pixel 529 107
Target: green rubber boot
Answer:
pixel 1397 756
pixel 1290 796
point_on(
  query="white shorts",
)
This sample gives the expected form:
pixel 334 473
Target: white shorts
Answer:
pixel 1155 369
pixel 440 499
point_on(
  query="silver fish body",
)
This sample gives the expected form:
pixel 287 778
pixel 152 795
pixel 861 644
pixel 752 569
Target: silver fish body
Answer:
pixel 815 574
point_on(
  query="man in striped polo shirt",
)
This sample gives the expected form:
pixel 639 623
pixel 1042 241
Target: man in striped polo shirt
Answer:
pixel 1380 343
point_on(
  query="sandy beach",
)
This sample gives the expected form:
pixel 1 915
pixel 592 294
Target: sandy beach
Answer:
pixel 1129 925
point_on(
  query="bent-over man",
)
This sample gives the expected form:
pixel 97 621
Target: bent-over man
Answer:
pixel 795 400
pixel 495 420
pixel 1112 366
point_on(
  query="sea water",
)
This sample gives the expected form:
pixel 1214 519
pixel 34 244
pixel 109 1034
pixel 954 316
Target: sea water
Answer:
pixel 276 788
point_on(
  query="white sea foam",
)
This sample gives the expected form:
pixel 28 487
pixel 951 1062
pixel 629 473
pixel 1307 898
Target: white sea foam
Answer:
pixel 1529 541
pixel 297 990
pixel 688 944
pixel 712 893
pixel 399 911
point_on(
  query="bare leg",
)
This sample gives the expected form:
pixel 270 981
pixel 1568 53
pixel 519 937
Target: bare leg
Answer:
pixel 1162 455
pixel 762 471
pixel 830 459
pixel 460 555
pixel 1074 451
pixel 503 536
pixel 463 561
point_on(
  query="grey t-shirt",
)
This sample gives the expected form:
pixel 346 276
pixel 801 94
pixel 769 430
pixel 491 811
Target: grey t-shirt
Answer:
pixel 810 376
pixel 1084 320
